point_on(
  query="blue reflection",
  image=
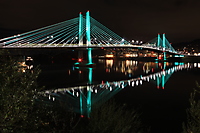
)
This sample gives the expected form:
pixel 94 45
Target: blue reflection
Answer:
pixel 82 98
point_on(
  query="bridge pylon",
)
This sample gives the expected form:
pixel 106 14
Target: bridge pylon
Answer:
pixel 85 28
pixel 164 47
pixel 80 29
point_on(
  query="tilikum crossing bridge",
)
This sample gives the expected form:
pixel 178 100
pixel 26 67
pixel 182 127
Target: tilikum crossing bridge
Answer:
pixel 83 31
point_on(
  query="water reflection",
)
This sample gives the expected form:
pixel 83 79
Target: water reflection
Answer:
pixel 131 67
pixel 82 98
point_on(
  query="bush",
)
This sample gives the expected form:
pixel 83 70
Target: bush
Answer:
pixel 193 113
pixel 17 92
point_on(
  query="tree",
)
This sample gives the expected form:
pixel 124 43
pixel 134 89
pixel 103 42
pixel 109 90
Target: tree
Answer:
pixel 113 118
pixel 193 113
pixel 17 92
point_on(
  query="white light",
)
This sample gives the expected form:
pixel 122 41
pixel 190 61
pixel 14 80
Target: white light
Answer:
pixel 110 88
pixel 129 82
pixel 137 82
pixel 148 79
pixel 154 76
pixel 195 64
pixel 133 83
pixel 122 86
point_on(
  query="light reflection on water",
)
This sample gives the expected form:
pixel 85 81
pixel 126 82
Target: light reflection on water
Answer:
pixel 60 76
pixel 83 97
pixel 124 80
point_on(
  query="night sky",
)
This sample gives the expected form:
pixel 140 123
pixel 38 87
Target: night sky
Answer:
pixel 131 19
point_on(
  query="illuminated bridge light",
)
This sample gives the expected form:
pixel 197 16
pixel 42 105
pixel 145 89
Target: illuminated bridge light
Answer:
pixel 129 82
pixel 141 82
pixel 95 91
pixel 110 88
pixel 137 82
pixel 53 98
pixel 122 86
pixel 164 73
pixel 118 84
pixel 148 79
pixel 154 77
pixel 115 84
pixel 133 83
pixel 106 87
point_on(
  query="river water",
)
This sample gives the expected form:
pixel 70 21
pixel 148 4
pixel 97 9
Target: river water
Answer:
pixel 162 102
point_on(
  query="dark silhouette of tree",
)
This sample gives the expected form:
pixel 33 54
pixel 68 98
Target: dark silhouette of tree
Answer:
pixel 17 92
pixel 193 113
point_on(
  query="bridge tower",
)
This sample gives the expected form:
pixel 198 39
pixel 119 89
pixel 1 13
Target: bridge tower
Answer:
pixel 80 29
pixel 85 100
pixel 158 40
pixel 164 46
pixel 88 39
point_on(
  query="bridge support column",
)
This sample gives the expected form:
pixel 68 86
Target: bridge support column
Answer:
pixel 89 93
pixel 164 45
pixel 158 41
pixel 158 45
pixel 80 29
pixel 88 37
pixel 88 28
pixel 87 63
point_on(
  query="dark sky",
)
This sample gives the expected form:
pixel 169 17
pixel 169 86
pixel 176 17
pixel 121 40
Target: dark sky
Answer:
pixel 131 19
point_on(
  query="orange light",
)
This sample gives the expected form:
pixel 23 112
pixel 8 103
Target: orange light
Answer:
pixel 80 60
pixel 109 55
pixel 128 55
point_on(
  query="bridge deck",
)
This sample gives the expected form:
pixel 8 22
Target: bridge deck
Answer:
pixel 86 46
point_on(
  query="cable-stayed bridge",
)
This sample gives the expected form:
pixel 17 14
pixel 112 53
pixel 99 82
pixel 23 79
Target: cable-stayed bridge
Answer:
pixel 83 31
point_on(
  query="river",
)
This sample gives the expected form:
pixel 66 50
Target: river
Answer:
pixel 162 103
